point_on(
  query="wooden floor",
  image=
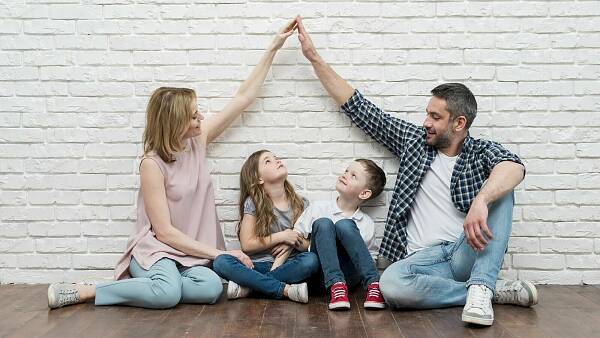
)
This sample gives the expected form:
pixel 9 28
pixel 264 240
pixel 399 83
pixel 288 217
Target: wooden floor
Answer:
pixel 563 311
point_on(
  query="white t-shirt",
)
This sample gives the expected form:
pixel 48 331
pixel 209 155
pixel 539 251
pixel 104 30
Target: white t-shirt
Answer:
pixel 331 210
pixel 433 218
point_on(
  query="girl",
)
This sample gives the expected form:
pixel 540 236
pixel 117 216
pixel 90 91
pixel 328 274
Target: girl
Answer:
pixel 177 234
pixel 269 206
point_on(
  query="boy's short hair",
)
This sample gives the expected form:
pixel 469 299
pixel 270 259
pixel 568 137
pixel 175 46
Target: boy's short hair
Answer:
pixel 375 177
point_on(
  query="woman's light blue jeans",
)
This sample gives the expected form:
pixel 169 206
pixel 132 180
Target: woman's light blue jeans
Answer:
pixel 439 276
pixel 165 285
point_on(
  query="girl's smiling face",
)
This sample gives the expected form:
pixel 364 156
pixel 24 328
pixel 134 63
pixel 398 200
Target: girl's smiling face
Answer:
pixel 271 168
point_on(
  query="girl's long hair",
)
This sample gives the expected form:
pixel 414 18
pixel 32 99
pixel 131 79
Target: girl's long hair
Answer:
pixel 168 117
pixel 250 187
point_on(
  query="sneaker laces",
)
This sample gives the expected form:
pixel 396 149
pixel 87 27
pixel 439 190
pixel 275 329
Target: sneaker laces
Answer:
pixel 479 296
pixel 373 291
pixel 68 296
pixel 338 291
pixel 507 295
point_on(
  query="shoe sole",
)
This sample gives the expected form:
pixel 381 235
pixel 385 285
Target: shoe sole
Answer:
pixel 340 306
pixel 532 291
pixel 51 296
pixel 374 305
pixel 477 320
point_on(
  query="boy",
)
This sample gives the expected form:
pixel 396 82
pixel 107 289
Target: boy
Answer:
pixel 343 236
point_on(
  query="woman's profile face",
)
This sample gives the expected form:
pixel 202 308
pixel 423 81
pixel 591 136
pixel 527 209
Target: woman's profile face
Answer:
pixel 195 125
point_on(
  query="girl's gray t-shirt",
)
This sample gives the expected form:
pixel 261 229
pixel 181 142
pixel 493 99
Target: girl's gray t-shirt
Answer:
pixel 283 221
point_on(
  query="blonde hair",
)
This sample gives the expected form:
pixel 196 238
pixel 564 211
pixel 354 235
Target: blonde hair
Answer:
pixel 250 187
pixel 168 117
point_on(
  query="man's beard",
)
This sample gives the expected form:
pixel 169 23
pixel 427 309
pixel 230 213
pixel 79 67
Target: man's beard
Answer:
pixel 443 140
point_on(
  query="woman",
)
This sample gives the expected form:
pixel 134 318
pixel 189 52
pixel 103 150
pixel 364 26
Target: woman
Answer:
pixel 177 234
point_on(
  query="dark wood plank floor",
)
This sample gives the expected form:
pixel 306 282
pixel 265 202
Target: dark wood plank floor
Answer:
pixel 563 311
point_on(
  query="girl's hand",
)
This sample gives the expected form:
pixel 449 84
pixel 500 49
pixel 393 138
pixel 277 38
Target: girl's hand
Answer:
pixel 283 34
pixel 291 237
pixel 241 256
pixel 280 249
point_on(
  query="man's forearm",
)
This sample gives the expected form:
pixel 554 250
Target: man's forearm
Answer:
pixel 504 177
pixel 338 88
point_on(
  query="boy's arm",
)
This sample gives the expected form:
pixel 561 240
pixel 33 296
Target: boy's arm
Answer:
pixel 389 131
pixel 281 258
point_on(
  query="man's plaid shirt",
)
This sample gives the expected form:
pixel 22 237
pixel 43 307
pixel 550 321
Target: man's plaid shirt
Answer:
pixel 408 142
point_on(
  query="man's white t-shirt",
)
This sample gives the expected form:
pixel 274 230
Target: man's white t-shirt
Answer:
pixel 433 218
pixel 331 210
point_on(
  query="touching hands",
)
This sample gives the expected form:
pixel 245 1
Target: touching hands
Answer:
pixel 308 48
pixel 280 249
pixel 284 33
pixel 476 229
pixel 291 238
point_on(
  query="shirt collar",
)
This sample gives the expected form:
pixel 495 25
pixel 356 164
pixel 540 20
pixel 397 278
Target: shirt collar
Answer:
pixel 358 214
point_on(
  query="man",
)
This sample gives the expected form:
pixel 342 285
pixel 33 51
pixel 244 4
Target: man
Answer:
pixel 451 212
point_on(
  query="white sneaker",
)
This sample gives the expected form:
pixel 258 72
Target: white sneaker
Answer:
pixel 235 291
pixel 478 309
pixel 517 292
pixel 298 293
pixel 62 294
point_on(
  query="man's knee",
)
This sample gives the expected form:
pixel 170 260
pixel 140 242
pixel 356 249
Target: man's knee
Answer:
pixel 396 285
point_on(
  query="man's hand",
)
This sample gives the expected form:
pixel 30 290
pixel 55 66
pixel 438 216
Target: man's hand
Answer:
pixel 475 225
pixel 308 49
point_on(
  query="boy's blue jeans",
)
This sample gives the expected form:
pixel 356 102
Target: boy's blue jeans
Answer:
pixel 439 276
pixel 342 252
pixel 261 279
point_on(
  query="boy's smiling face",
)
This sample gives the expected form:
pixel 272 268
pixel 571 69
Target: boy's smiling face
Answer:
pixel 353 182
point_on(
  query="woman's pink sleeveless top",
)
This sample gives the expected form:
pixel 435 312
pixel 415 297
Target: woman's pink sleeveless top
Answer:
pixel 191 202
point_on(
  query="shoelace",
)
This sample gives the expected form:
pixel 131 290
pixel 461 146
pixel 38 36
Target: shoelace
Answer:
pixel 479 297
pixel 507 295
pixel 373 292
pixel 338 292
pixel 67 297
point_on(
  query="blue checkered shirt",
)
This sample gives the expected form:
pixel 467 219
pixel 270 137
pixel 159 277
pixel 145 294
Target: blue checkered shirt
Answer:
pixel 408 143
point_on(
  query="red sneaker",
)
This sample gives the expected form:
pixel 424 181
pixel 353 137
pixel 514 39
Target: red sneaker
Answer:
pixel 374 299
pixel 338 299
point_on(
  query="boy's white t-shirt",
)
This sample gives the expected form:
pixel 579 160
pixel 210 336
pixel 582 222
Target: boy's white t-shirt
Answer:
pixel 331 210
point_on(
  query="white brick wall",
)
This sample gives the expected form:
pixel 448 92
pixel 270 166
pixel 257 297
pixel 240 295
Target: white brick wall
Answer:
pixel 75 76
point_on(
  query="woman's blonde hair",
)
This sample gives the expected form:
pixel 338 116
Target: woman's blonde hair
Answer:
pixel 250 187
pixel 168 117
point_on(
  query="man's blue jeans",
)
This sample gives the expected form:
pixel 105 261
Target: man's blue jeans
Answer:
pixel 261 279
pixel 439 276
pixel 342 252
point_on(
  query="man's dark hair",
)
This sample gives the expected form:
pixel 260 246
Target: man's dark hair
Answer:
pixel 376 177
pixel 459 100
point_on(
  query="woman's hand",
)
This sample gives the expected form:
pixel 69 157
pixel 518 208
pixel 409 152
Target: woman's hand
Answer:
pixel 284 33
pixel 241 256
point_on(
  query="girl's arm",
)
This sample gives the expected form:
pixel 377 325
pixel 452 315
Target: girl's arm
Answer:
pixel 250 243
pixel 213 127
pixel 155 200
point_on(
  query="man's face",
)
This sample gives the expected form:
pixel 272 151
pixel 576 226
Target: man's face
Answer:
pixel 438 124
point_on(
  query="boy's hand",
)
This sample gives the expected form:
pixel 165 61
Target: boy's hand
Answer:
pixel 279 249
